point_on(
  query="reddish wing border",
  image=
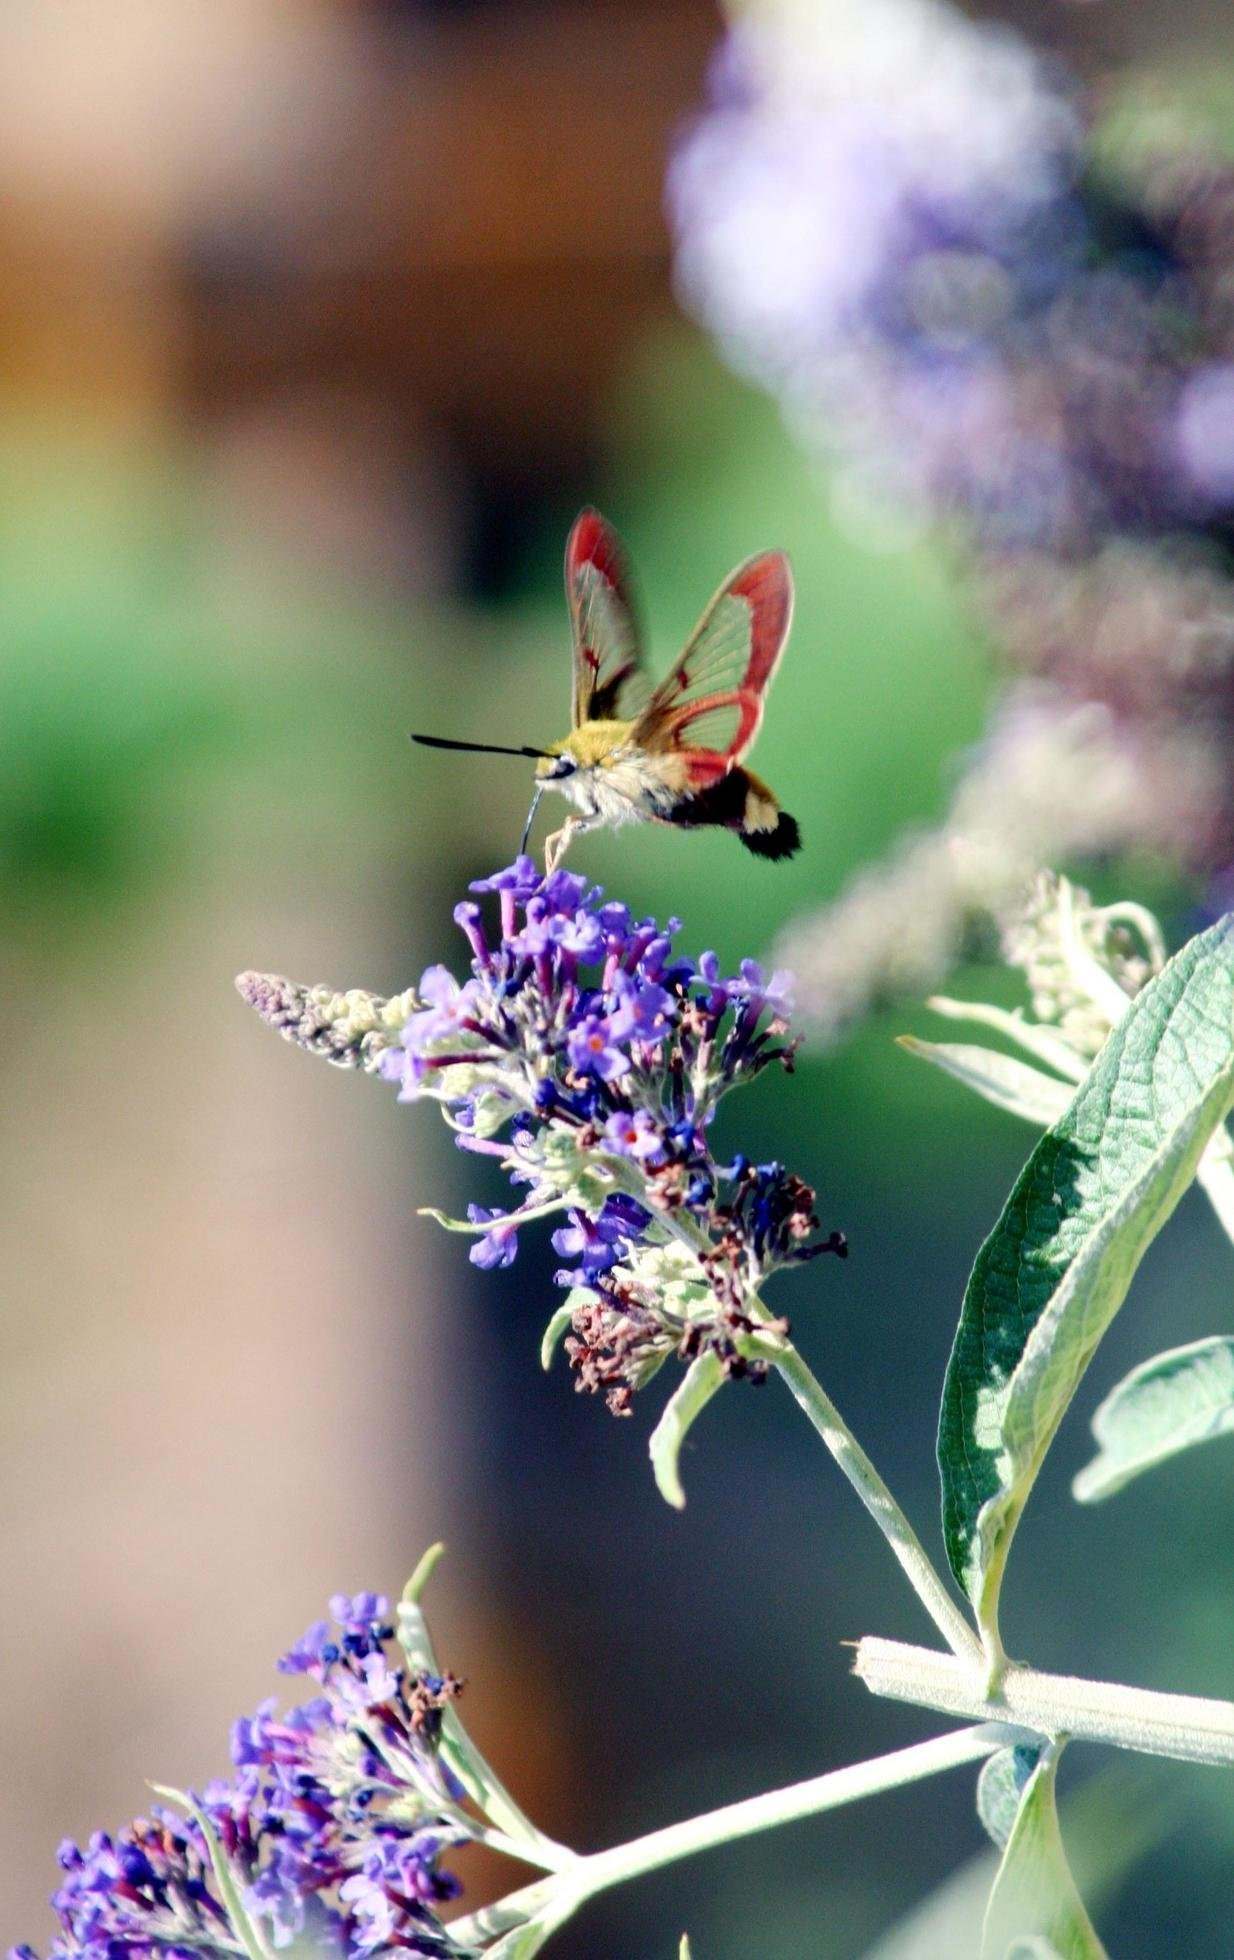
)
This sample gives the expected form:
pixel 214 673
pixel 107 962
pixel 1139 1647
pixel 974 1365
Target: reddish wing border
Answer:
pixel 602 616
pixel 710 707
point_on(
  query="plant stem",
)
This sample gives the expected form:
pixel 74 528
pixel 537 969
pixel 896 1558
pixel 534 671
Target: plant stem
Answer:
pixel 1187 1727
pixel 735 1820
pixel 874 1494
pixel 811 1396
pixel 857 1467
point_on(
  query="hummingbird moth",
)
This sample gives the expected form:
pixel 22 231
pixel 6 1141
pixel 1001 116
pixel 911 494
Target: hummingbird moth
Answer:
pixel 672 752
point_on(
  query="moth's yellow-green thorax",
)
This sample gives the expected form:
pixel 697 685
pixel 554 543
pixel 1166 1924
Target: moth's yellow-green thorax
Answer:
pixel 590 746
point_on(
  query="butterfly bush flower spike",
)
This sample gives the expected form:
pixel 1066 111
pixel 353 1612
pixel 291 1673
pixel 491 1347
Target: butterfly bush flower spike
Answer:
pixel 328 1832
pixel 350 1029
pixel 589 1057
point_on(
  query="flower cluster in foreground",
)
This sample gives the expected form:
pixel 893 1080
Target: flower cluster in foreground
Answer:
pixel 589 1058
pixel 327 1835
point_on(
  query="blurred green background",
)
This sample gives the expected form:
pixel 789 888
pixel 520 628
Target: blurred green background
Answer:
pixel 322 320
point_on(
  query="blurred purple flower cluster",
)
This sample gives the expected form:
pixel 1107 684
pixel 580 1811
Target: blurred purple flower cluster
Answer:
pixel 874 213
pixel 981 308
pixel 329 1830
pixel 891 215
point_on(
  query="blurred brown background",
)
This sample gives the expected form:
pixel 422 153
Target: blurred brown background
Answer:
pixel 308 312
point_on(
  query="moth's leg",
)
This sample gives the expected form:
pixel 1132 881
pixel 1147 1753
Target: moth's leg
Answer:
pixel 556 846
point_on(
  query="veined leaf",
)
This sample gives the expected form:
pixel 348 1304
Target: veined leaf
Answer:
pixel 1034 1907
pixel 1216 1180
pixel 1050 1278
pixel 1003 1080
pixel 702 1379
pixel 1040 1098
pixel 1178 1399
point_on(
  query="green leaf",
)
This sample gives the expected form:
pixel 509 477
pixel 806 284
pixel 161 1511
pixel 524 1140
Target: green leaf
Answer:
pixel 557 1326
pixel 1055 1270
pixel 1178 1399
pixel 1112 1820
pixel 702 1379
pixel 1034 1907
pixel 1002 1079
pixel 1000 1786
pixel 429 1561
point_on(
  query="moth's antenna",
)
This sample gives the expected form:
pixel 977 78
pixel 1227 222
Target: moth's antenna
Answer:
pixel 473 748
pixel 531 817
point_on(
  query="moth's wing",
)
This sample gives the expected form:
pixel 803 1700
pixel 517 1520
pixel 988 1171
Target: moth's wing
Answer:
pixel 609 679
pixel 710 707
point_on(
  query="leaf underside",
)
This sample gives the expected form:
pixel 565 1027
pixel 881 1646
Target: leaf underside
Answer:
pixel 1166 1405
pixel 1035 1908
pixel 1003 1080
pixel 1056 1268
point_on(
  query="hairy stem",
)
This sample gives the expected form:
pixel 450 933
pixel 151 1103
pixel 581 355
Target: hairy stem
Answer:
pixel 735 1820
pixel 811 1396
pixel 874 1494
pixel 1188 1727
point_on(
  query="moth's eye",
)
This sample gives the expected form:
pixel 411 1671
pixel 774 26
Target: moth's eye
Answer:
pixel 565 765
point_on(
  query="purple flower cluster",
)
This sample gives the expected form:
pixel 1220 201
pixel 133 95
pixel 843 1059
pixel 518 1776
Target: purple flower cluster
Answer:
pixel 330 1828
pixel 893 219
pixel 589 1056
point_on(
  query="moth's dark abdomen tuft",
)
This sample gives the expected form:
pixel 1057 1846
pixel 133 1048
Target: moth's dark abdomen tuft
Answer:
pixel 740 801
pixel 782 842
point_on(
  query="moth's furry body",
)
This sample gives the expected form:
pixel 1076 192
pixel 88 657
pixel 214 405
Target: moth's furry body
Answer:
pixel 607 778
pixel 611 781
